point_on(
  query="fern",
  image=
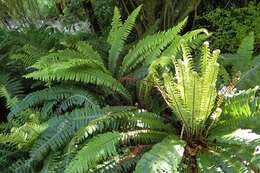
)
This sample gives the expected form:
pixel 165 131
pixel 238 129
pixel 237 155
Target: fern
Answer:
pixel 118 36
pixel 171 152
pixel 82 63
pixel 88 156
pixel 190 94
pixel 244 62
pixel 11 89
pixel 82 68
pixel 57 96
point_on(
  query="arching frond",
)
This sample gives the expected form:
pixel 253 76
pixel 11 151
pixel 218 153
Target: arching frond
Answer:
pixel 241 111
pixel 121 121
pixel 165 156
pixel 64 97
pixel 70 65
pixel 149 48
pixel 213 162
pixel 60 130
pixel 90 155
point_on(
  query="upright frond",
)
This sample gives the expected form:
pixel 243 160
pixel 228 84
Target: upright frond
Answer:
pixel 118 36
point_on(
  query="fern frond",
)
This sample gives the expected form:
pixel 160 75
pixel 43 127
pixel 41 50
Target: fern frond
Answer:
pixel 116 25
pixel 89 155
pixel 242 137
pixel 214 162
pixel 60 130
pixel 57 94
pixel 53 163
pixel 22 166
pixel 8 154
pixel 84 70
pixel 190 93
pixel 241 111
pixel 88 51
pixel 250 78
pixel 23 136
pixel 163 157
pixel 119 164
pixel 244 62
pixel 29 55
pixel 244 103
pixel 149 48
pixel 11 89
pixel 118 36
pixel 121 121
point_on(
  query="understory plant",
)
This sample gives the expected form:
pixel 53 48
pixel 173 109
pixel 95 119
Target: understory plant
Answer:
pixel 82 63
pixel 245 62
pixel 204 134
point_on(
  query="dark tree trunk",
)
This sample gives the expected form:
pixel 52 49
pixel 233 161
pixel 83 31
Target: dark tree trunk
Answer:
pixel 90 12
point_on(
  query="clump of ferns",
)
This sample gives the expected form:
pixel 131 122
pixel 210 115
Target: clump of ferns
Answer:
pixel 127 139
pixel 82 63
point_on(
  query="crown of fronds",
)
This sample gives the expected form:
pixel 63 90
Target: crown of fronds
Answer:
pixel 190 92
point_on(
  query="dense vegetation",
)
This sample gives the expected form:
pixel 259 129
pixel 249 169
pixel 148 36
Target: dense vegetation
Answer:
pixel 131 86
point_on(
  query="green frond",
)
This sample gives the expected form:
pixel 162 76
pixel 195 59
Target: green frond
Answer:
pixel 60 130
pixel 23 136
pixel 29 55
pixel 246 49
pixel 22 166
pixel 149 48
pixel 244 62
pixel 121 121
pixel 63 96
pixel 165 156
pixel 242 137
pixel 116 25
pixel 104 146
pixel 205 55
pixel 214 162
pixel 70 65
pixel 241 60
pixel 30 116
pixel 98 149
pixel 53 163
pixel 88 51
pixel 118 36
pixel 243 103
pixel 246 154
pixel 8 154
pixel 119 164
pixel 10 88
pixel 189 93
pixel 250 78
pixel 66 59
pixel 241 111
